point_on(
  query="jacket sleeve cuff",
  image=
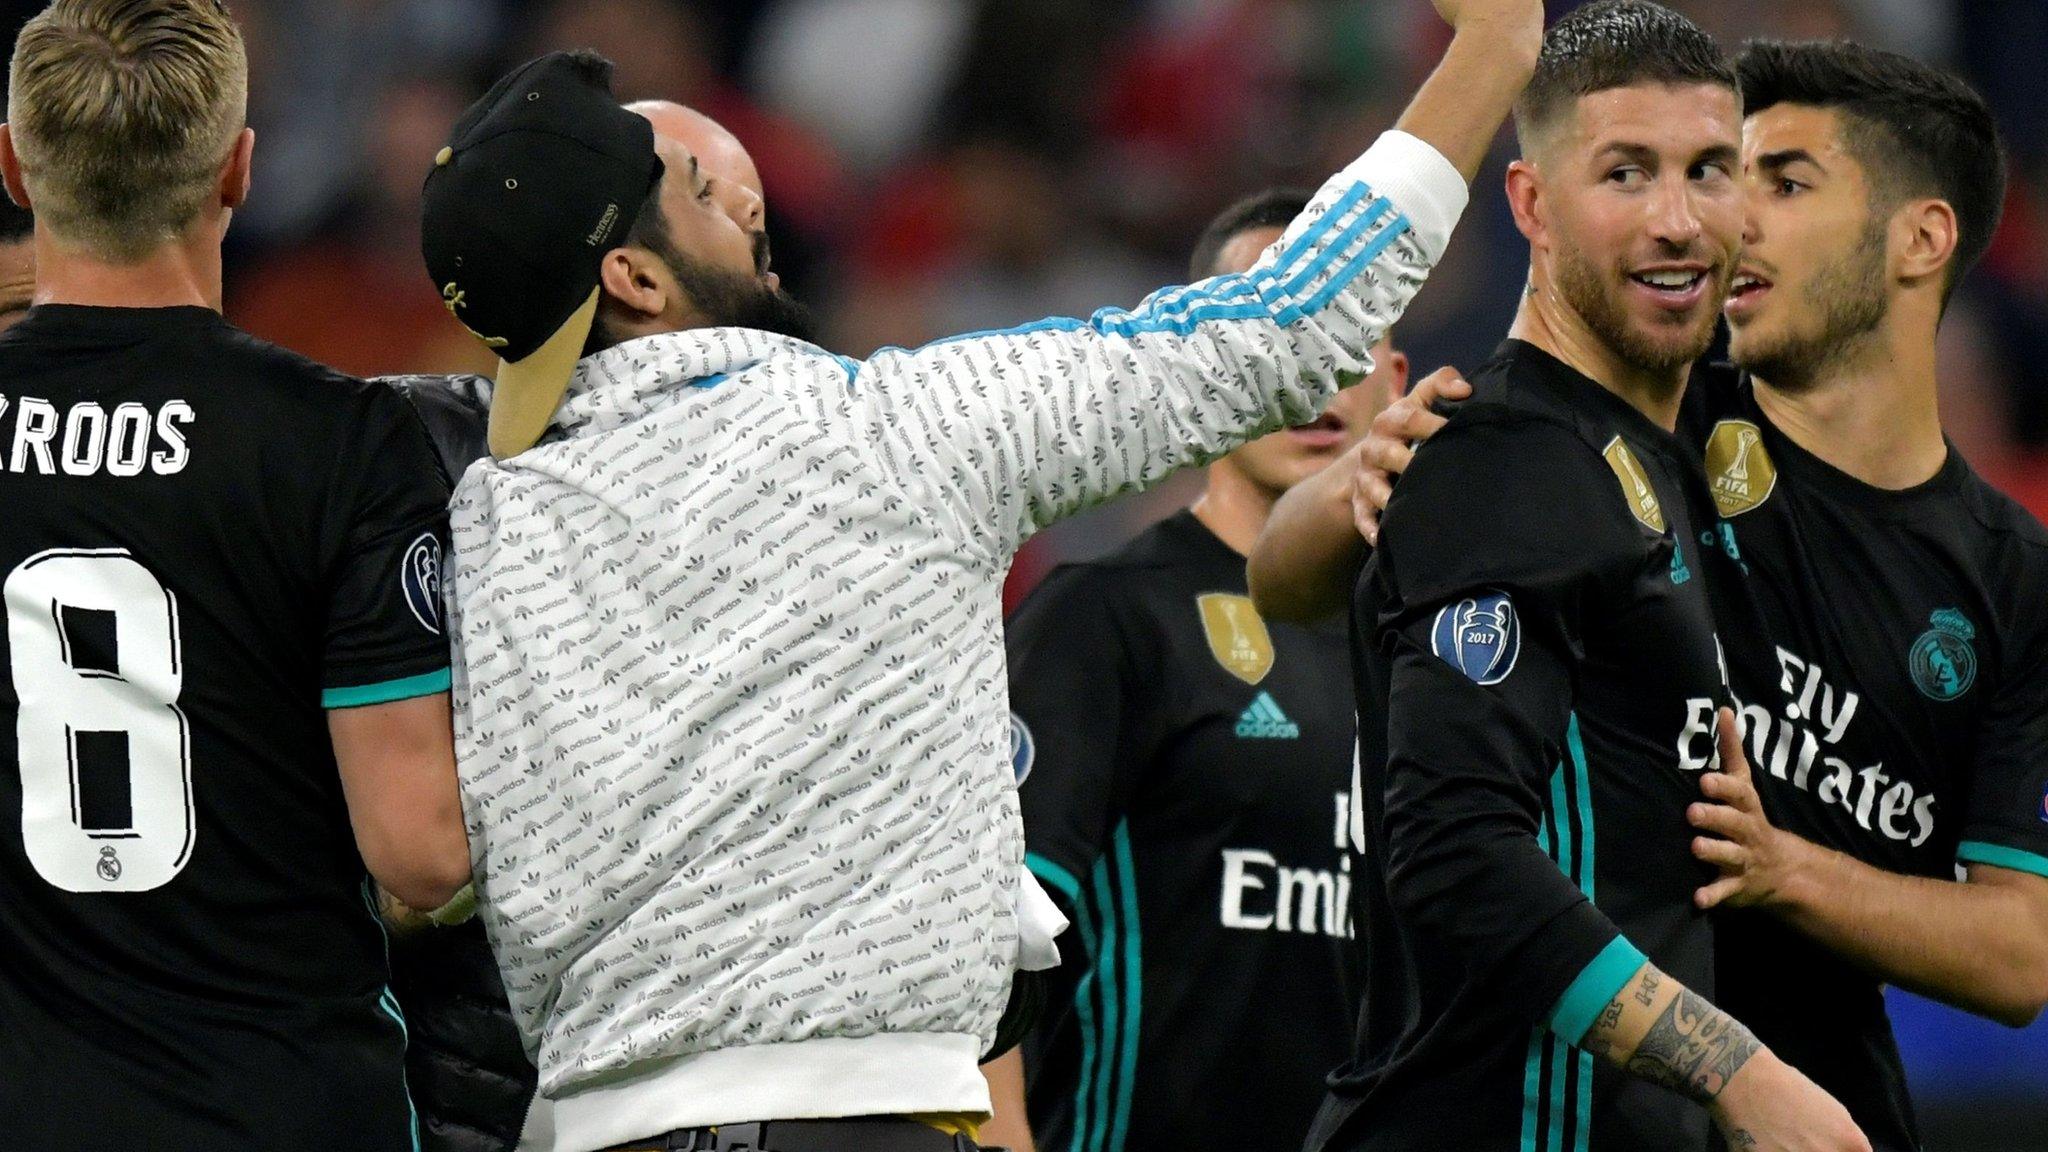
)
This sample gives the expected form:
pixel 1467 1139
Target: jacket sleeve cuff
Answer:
pixel 1596 985
pixel 1422 186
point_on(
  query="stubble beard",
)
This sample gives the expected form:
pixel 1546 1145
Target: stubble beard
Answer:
pixel 1848 296
pixel 1598 302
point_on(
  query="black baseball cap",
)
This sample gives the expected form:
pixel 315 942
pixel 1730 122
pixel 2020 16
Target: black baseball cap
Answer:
pixel 541 177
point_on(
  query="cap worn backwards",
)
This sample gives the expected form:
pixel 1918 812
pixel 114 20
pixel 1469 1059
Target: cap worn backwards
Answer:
pixel 541 177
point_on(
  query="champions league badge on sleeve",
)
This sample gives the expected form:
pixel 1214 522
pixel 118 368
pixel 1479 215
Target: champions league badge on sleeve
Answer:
pixel 1943 663
pixel 1023 749
pixel 420 575
pixel 1480 636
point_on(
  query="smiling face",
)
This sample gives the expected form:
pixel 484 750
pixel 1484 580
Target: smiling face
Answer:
pixel 1632 205
pixel 1813 277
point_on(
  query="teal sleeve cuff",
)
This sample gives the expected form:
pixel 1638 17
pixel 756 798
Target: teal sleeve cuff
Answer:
pixel 1597 985
pixel 425 684
pixel 1999 856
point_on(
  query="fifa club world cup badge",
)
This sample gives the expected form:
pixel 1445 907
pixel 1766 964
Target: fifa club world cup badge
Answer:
pixel 1480 636
pixel 1237 635
pixel 1635 484
pixel 1943 663
pixel 1738 467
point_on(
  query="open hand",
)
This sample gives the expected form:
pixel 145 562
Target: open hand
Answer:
pixel 1388 446
pixel 1754 858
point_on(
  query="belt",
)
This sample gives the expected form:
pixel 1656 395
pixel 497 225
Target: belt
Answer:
pixel 858 1134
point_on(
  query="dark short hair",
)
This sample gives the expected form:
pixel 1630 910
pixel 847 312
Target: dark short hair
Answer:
pixel 1614 44
pixel 1273 208
pixel 1916 130
pixel 16 223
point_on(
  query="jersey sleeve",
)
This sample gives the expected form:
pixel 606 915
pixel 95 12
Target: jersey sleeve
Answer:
pixel 1079 745
pixel 1499 542
pixel 1078 742
pixel 1009 431
pixel 2007 821
pixel 385 636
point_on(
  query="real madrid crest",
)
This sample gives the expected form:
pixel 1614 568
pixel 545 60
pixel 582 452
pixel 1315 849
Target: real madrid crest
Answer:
pixel 1943 663
pixel 1237 635
pixel 1738 469
pixel 1635 484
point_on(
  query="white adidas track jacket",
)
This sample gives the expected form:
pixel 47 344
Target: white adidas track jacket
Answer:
pixel 731 707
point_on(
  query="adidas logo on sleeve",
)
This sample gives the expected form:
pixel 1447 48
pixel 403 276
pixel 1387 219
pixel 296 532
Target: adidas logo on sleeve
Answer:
pixel 1263 720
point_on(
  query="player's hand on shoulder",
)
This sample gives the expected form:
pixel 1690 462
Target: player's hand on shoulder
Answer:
pixel 1389 446
pixel 1770 1106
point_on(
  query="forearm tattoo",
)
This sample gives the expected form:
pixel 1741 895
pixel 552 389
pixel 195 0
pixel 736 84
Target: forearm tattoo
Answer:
pixel 1646 992
pixel 1693 1048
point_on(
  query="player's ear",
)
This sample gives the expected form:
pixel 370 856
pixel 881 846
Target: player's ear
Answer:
pixel 10 169
pixel 1923 236
pixel 1397 374
pixel 1525 199
pixel 236 172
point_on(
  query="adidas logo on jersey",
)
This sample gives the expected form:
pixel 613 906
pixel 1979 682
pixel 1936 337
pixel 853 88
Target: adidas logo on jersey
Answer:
pixel 1263 720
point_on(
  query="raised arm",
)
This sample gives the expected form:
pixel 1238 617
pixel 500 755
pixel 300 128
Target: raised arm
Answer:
pixel 1012 430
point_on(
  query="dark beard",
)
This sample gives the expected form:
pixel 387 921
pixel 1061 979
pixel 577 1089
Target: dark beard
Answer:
pixel 1850 299
pixel 1600 307
pixel 736 300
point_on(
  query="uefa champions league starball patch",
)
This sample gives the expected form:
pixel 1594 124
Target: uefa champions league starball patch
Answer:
pixel 1480 636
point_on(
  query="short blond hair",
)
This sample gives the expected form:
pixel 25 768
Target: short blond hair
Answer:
pixel 122 113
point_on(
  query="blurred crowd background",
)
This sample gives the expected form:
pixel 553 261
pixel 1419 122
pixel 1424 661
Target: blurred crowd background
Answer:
pixel 938 166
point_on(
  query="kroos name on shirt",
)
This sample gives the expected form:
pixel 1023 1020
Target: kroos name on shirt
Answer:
pixel 86 439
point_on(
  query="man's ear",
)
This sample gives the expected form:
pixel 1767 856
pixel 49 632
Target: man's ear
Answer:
pixel 236 173
pixel 631 278
pixel 10 169
pixel 1397 374
pixel 1924 235
pixel 1525 200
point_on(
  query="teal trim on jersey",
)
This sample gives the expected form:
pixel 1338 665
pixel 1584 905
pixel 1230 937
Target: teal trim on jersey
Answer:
pixel 1597 983
pixel 1112 1003
pixel 1106 912
pixel 1084 1010
pixel 425 684
pixel 1134 984
pixel 1584 779
pixel 1999 856
pixel 389 1004
pixel 1551 1049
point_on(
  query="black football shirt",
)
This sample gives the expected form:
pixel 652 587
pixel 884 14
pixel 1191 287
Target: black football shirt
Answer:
pixel 1537 674
pixel 206 542
pixel 1889 650
pixel 1184 775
